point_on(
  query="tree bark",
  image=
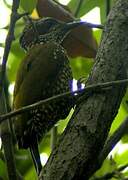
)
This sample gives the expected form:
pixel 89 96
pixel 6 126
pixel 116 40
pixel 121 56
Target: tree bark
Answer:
pixel 76 154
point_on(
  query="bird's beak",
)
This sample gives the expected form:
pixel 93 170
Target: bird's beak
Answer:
pixel 74 24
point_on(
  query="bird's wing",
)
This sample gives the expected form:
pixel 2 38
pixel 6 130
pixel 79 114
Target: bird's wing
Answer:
pixel 38 69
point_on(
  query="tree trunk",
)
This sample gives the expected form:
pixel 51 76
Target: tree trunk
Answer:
pixel 76 154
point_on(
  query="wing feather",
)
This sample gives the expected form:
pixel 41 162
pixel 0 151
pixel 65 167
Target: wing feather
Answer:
pixel 38 69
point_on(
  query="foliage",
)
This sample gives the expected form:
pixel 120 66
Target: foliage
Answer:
pixel 81 67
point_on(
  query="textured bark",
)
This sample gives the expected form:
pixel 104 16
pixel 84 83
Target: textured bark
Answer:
pixel 76 154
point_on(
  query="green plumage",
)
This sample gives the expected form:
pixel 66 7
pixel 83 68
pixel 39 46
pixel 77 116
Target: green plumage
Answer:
pixel 44 72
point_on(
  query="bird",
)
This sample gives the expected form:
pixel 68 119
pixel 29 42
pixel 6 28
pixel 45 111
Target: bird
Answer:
pixel 44 72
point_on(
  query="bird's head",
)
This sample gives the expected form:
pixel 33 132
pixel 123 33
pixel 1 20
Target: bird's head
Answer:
pixel 45 30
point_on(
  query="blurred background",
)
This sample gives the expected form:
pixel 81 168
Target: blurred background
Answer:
pixel 82 57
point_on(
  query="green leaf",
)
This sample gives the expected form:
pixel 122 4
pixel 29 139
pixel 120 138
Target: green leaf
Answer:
pixel 122 113
pixel 15 57
pixel 81 67
pixel 28 5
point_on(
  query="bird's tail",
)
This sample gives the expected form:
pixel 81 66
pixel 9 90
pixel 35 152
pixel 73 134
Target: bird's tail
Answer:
pixel 35 155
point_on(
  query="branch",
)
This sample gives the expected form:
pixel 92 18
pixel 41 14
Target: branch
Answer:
pixel 98 88
pixel 113 140
pixel 7 141
pixel 5 126
pixel 10 37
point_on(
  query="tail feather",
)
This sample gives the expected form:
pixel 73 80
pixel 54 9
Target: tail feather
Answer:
pixel 35 156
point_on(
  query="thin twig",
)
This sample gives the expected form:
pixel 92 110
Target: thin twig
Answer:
pixel 78 8
pixel 53 137
pixel 87 90
pixel 5 2
pixel 10 37
pixel 107 7
pixel 113 140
